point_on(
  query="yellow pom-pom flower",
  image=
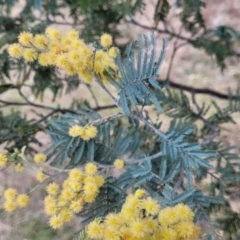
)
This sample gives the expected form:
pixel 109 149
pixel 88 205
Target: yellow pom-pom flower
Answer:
pixel 3 160
pixel 18 167
pixel 49 199
pixel 62 60
pixel 167 234
pixel 132 201
pixel 129 212
pixel 90 198
pixel 67 194
pixel 76 174
pixel 15 50
pixel 66 183
pixel 66 215
pixel 112 220
pixel 139 193
pixel 77 43
pixel 151 224
pixel 106 40
pixel 138 228
pixel 9 206
pixel 51 209
pixel 95 230
pixel 72 34
pixel 40 157
pixel 91 168
pixel 85 76
pixel 151 206
pixel 90 189
pixel 89 179
pixel 43 59
pixel 56 222
pixel 25 38
pixel 23 200
pixel 76 186
pixel 30 55
pixel 53 188
pixel 118 163
pixel 52 33
pixel 184 212
pixel 168 216
pixel 70 70
pixel 111 234
pixel 10 193
pixel 76 206
pixel 91 131
pixel 40 41
pixel 185 230
pixel 99 180
pixel 40 176
pixel 112 52
pixel 85 136
pixel 74 57
pixel 76 131
pixel 51 56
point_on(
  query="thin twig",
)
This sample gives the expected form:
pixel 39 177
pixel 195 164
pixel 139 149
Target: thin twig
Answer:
pixel 142 119
pixel 180 180
pixel 62 110
pixel 93 95
pixel 175 48
pixel 217 178
pixel 101 84
pixel 108 118
pixel 46 116
pixel 160 30
pixel 141 160
pixel 208 124
pixel 38 185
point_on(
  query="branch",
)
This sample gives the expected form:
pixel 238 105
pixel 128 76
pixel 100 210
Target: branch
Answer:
pixel 180 181
pixel 208 124
pixel 108 118
pixel 62 110
pixel 198 90
pixel 46 116
pixel 142 119
pixel 104 107
pixel 166 31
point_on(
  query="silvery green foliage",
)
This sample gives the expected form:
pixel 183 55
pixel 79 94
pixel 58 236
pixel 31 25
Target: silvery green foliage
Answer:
pixel 109 144
pixel 167 177
pixel 138 73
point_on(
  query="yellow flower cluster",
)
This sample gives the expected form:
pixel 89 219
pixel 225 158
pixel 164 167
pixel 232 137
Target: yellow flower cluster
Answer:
pixel 14 200
pixel 68 52
pixel 40 176
pixel 3 160
pixel 79 188
pixel 86 133
pixel 142 218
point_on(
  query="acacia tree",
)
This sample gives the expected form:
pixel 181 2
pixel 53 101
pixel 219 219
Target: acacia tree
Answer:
pixel 164 165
